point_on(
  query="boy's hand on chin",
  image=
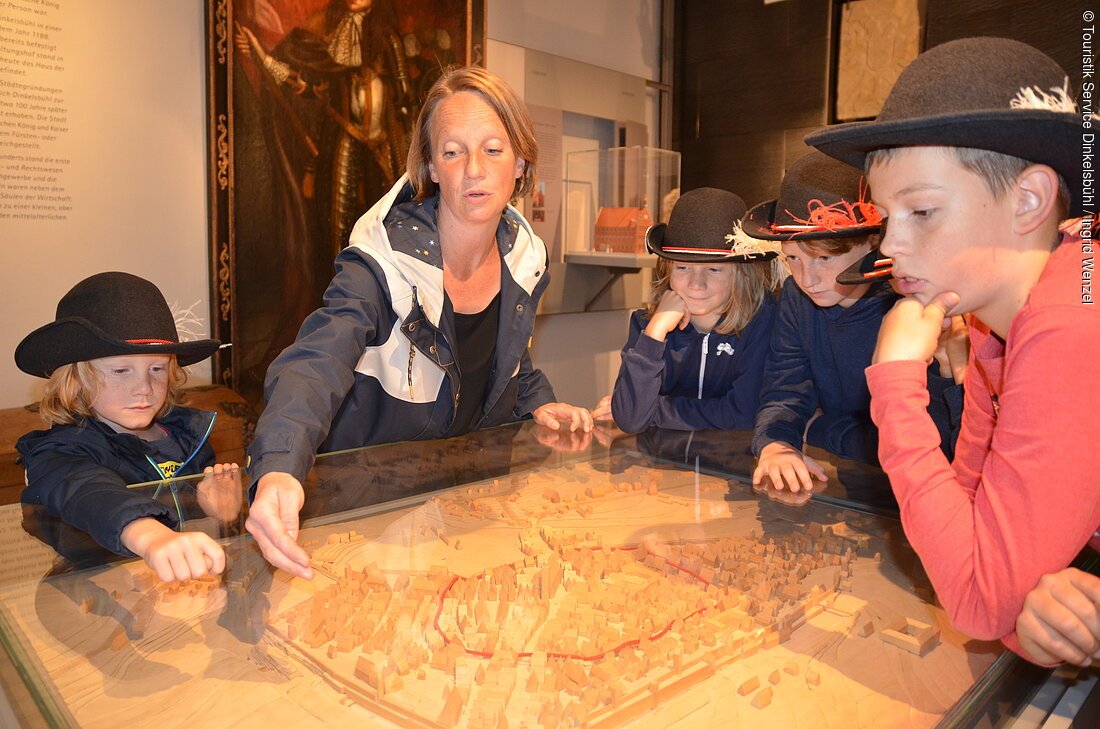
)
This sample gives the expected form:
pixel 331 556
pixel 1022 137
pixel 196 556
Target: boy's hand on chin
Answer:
pixel 671 314
pixel 911 330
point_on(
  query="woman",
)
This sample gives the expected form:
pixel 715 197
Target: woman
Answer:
pixel 425 327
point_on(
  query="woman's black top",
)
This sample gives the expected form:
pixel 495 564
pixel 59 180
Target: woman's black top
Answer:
pixel 475 349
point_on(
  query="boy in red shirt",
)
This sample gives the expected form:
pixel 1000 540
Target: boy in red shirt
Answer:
pixel 975 161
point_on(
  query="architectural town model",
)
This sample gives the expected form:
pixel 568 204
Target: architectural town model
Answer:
pixel 564 597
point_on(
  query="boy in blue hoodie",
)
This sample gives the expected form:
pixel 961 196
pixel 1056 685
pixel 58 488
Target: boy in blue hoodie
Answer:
pixel 815 391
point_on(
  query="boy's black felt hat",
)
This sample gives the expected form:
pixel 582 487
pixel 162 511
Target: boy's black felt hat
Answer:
pixel 819 197
pixel 704 228
pixel 872 267
pixel 986 93
pixel 107 315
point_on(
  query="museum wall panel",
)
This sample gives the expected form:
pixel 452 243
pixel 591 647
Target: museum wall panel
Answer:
pixel 101 157
pixel 751 79
pixel 1052 25
pixel 139 180
pixel 747 74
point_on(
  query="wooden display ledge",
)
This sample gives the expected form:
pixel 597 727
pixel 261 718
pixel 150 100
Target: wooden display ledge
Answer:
pixel 231 436
pixel 608 259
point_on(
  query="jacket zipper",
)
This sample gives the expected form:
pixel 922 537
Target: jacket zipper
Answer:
pixel 172 483
pixel 703 363
pixel 194 451
pixel 412 354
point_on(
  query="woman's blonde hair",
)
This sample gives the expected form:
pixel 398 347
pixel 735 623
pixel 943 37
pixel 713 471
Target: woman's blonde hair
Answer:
pixel 508 107
pixel 752 282
pixel 72 388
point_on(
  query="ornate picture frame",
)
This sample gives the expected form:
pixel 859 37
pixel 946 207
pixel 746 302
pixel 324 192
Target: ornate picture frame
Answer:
pixel 873 41
pixel 309 107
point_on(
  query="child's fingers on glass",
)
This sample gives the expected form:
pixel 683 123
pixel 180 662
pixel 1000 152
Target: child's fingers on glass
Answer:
pixel 815 468
pixel 783 476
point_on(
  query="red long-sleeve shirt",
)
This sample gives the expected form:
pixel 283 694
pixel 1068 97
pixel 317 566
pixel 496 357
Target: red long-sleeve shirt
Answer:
pixel 1022 496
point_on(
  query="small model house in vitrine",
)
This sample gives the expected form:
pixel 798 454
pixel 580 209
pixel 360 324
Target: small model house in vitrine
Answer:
pixel 612 197
pixel 622 230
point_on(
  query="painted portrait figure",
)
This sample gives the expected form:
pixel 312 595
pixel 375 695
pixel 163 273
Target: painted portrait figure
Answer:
pixel 324 93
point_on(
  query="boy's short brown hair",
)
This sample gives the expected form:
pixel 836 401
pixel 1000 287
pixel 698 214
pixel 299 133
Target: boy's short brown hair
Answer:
pixel 997 170
pixel 838 246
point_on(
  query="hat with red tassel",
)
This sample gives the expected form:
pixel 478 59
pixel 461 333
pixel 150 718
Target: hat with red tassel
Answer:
pixel 819 197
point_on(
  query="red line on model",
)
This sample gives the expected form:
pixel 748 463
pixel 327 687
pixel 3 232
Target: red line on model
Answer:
pixel 599 656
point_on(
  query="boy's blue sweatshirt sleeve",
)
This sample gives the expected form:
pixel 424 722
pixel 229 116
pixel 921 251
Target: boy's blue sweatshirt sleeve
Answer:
pixel 849 435
pixel 788 398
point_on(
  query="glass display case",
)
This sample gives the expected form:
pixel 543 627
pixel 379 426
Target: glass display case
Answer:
pixel 514 575
pixel 612 196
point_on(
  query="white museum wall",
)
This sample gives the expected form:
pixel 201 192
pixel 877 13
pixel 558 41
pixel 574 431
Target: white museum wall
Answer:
pixel 133 86
pixel 579 352
pixel 622 35
pixel 135 96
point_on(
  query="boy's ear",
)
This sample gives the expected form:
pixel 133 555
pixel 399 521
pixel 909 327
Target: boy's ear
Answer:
pixel 1037 192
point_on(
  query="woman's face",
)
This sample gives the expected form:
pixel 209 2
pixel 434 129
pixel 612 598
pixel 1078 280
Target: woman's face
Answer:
pixel 472 160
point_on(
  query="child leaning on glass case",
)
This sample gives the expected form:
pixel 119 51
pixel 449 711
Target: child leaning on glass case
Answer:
pixel 694 358
pixel 113 363
pixel 976 162
pixel 815 391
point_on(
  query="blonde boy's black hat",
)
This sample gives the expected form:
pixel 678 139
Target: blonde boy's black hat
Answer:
pixel 819 198
pixel 704 227
pixel 994 94
pixel 107 315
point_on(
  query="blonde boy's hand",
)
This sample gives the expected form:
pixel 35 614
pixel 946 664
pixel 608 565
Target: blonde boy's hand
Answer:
pixel 785 496
pixel 607 433
pixel 787 467
pixel 911 330
pixel 671 314
pixel 1060 621
pixel 173 555
pixel 220 493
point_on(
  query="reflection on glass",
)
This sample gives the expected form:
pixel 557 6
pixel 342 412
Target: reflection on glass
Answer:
pixel 492 575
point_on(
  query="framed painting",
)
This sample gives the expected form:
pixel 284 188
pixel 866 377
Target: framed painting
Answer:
pixel 875 40
pixel 310 107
